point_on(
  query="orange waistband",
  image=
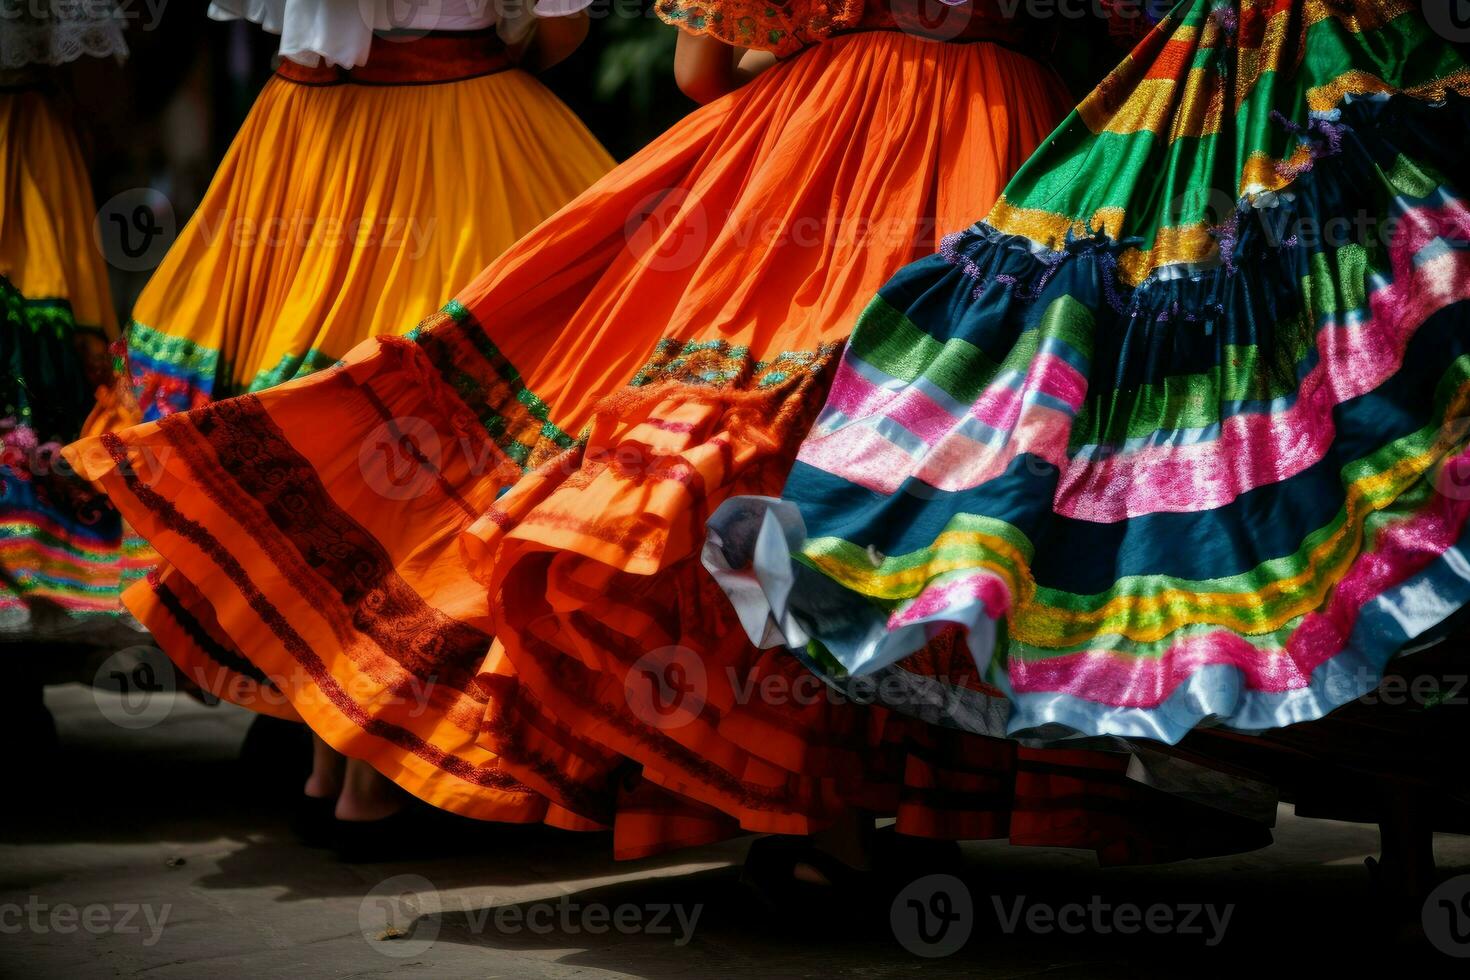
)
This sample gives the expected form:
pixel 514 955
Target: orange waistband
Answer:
pixel 427 59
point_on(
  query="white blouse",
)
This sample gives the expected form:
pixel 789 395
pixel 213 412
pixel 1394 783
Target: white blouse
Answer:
pixel 341 31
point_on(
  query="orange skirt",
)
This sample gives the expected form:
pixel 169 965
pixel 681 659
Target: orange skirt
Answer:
pixel 537 461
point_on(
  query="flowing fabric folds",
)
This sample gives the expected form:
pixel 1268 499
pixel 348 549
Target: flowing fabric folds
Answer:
pixel 535 463
pixel 348 204
pixel 1177 435
pixel 63 555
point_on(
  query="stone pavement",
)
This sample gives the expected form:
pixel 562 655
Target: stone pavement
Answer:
pixel 149 852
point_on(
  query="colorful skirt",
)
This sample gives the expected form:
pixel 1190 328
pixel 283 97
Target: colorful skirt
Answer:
pixel 63 559
pixel 470 556
pixel 349 203
pixel 1176 435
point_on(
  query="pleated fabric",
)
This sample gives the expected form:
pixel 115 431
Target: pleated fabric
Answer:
pixel 827 173
pixel 344 211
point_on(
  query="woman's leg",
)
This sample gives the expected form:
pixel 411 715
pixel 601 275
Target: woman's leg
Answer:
pixel 327 770
pixel 367 794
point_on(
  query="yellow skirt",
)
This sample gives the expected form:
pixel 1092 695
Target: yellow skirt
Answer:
pixel 342 211
pixel 47 251
pixel 62 557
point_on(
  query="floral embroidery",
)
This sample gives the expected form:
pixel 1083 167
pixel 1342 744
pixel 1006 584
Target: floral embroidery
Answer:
pixel 717 363
pixel 783 27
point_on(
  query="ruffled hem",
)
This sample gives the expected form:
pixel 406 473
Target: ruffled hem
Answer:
pixel 761 581
pixel 64 555
pixel 321 522
pixel 244 605
pixel 897 465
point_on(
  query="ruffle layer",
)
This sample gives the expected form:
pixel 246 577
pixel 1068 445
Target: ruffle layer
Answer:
pixel 63 553
pixel 317 532
pixel 1228 495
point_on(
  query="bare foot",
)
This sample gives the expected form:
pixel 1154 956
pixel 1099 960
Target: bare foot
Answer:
pixel 367 794
pixel 327 769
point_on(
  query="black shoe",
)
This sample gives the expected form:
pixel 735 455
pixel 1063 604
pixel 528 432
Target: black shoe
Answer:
pixel 416 832
pixel 904 857
pixel 771 872
pixel 275 757
pixel 315 821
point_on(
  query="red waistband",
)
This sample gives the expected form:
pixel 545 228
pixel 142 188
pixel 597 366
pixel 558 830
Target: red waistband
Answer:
pixel 426 59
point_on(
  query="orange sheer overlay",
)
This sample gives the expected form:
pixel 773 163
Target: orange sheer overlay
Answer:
pixel 450 554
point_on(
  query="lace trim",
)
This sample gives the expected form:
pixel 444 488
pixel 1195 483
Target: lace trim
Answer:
pixel 65 31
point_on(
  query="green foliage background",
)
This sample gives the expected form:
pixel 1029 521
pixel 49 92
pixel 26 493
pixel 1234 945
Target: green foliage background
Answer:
pixel 621 81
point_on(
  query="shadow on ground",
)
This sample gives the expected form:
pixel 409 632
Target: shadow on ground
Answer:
pixel 155 850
